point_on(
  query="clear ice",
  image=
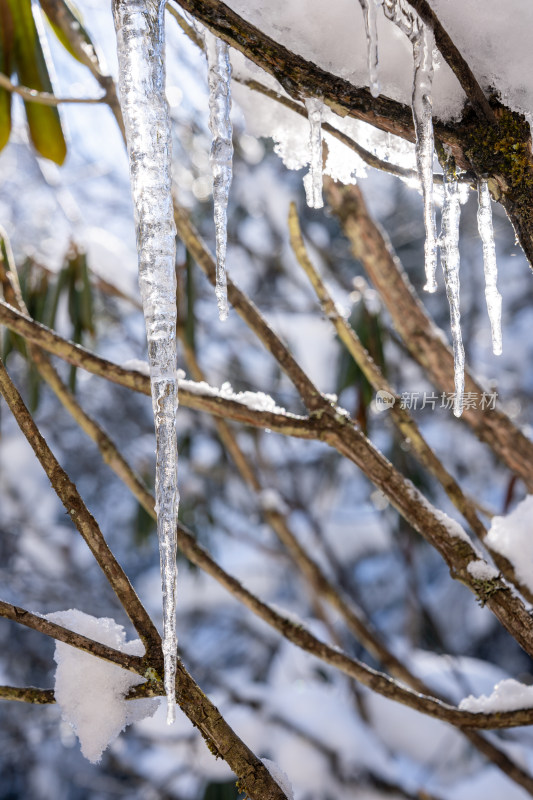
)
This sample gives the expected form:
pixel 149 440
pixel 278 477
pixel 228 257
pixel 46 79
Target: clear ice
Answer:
pixel 492 295
pixel 451 212
pixel 422 116
pixel 313 179
pixel 219 79
pixel 423 42
pixel 370 8
pixel 139 27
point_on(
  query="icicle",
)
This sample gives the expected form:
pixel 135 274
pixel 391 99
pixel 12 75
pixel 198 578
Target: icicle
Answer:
pixel 492 295
pixel 370 8
pixel 422 108
pixel 423 41
pixel 451 211
pixel 219 79
pixel 139 27
pixel 313 179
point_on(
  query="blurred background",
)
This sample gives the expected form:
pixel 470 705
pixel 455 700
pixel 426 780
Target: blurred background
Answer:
pixel 71 229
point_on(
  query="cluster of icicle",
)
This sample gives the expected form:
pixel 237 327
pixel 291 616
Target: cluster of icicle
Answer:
pixel 423 42
pixel 139 27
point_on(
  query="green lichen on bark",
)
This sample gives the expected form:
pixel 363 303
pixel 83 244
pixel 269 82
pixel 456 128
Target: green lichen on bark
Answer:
pixel 485 589
pixel 501 152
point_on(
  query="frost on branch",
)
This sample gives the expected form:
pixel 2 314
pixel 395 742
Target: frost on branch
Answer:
pixel 492 295
pixel 140 45
pixel 91 692
pixel 219 79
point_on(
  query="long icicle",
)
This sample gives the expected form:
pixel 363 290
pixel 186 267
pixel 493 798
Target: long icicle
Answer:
pixel 422 104
pixel 492 295
pixel 423 41
pixel 219 80
pixel 139 27
pixel 370 8
pixel 451 212
pixel 313 179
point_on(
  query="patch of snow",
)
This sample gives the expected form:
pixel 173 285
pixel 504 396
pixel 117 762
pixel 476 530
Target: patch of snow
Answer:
pixel 482 571
pixel 138 365
pixel 508 695
pixel 280 777
pixel 271 500
pixel 91 692
pixel 512 536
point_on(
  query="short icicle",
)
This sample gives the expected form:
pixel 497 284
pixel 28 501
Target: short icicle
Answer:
pixel 313 179
pixel 492 295
pixel 219 80
pixel 370 8
pixel 451 212
pixel 139 27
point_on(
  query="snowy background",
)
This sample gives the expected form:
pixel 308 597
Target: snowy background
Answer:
pixel 332 739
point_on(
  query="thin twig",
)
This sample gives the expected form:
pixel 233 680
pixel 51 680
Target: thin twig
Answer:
pixel 28 694
pixel 43 98
pixel 62 634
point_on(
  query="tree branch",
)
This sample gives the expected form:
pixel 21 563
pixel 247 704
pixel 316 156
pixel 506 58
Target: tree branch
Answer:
pixel 28 694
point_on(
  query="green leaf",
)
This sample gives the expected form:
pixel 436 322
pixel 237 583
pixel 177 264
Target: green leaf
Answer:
pixel 30 66
pixel 6 40
pixel 66 23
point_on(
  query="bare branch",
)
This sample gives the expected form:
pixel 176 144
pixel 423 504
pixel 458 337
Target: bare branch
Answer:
pixel 423 339
pixel 339 431
pixel 27 694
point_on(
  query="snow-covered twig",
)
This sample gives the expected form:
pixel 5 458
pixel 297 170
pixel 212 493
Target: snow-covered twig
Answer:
pixel 62 634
